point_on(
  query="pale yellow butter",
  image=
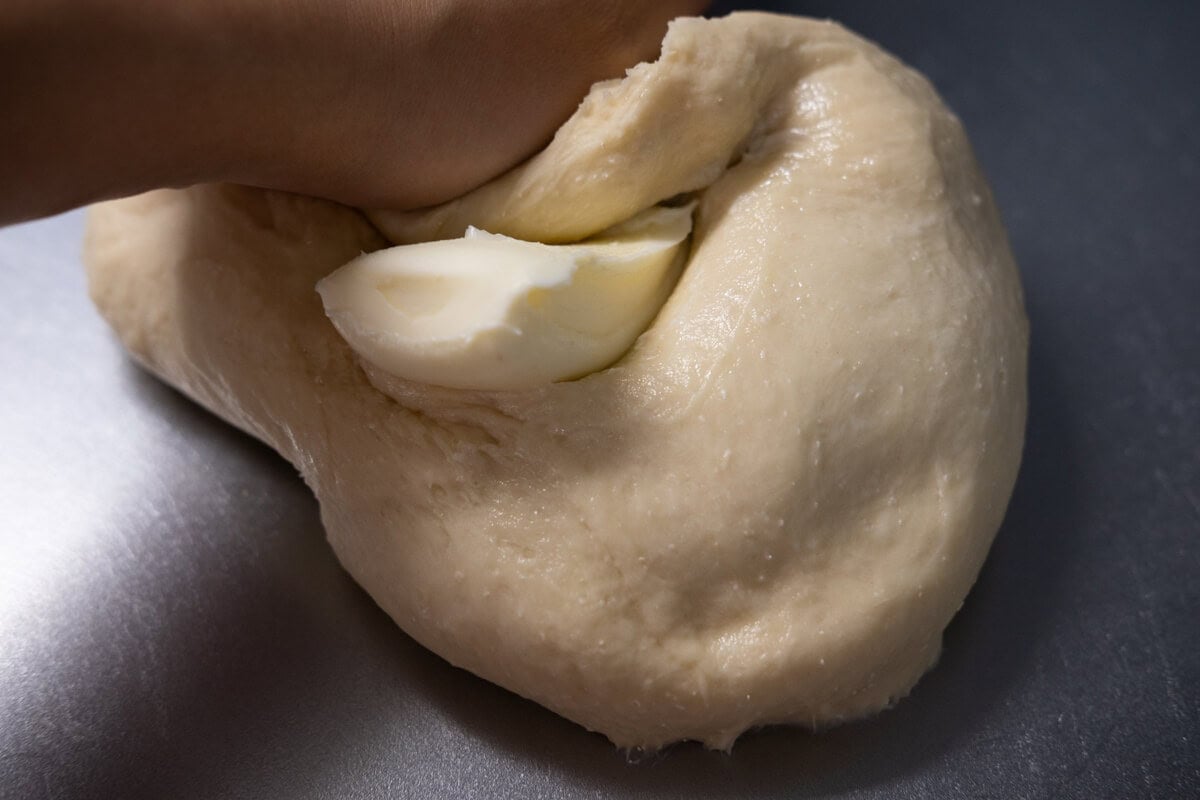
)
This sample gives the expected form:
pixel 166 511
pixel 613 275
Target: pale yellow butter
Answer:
pixel 491 312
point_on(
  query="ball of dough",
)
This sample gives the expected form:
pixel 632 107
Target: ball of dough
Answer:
pixel 768 510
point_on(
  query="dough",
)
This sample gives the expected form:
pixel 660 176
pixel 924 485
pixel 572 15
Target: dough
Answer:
pixel 768 510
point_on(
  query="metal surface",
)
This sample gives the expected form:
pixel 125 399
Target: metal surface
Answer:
pixel 172 624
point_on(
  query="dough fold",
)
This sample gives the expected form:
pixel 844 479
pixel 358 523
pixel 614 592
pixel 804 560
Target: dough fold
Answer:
pixel 768 510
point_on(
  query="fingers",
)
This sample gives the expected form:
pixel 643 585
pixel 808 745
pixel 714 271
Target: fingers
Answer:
pixel 515 71
pixel 435 97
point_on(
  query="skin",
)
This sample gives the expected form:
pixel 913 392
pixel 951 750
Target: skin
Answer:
pixel 375 103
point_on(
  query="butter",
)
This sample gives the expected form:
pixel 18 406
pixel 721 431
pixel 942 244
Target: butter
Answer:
pixel 490 312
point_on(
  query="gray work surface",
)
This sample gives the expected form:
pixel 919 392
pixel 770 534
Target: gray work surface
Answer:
pixel 173 625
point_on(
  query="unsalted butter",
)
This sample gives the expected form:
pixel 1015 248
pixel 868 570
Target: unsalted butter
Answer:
pixel 490 312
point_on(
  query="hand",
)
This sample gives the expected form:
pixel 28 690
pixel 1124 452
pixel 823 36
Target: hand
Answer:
pixel 378 103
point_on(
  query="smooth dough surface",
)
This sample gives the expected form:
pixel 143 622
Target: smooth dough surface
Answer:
pixel 768 510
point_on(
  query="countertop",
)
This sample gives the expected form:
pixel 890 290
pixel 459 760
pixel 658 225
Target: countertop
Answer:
pixel 173 625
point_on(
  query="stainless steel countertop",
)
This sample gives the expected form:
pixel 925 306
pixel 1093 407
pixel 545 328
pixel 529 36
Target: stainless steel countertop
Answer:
pixel 173 625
